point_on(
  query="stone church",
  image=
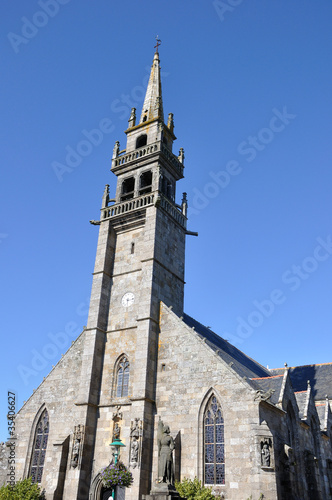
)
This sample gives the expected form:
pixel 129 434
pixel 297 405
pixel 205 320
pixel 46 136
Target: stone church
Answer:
pixel 239 427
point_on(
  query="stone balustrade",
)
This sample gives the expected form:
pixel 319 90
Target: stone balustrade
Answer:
pixel 128 205
pixel 125 158
pixel 144 201
pixel 173 211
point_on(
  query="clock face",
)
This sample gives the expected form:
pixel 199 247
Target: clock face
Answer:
pixel 128 299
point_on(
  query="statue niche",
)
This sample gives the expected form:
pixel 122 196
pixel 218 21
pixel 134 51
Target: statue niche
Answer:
pixel 266 452
pixel 77 446
pixel 136 431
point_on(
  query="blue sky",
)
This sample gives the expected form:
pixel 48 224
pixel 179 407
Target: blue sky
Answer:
pixel 249 84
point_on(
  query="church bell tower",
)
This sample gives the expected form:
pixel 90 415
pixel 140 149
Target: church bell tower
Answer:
pixel 139 263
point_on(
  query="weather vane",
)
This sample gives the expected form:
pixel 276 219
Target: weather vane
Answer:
pixel 158 43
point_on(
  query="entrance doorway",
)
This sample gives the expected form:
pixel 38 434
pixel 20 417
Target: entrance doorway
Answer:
pixel 120 493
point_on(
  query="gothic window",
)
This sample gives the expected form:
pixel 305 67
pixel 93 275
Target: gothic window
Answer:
pixel 141 140
pixel 127 189
pixel 290 426
pixel 214 449
pixel 145 182
pixel 315 429
pixel 122 378
pixel 329 474
pixel 39 448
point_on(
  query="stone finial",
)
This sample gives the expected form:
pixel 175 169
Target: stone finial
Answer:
pixel 170 122
pixel 286 365
pixel 181 156
pixel 184 204
pixel 116 149
pixel 132 118
pixel 106 196
pixel 308 382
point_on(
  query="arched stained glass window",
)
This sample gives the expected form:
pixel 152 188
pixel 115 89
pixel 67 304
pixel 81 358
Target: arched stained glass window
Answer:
pixel 39 448
pixel 214 449
pixel 123 378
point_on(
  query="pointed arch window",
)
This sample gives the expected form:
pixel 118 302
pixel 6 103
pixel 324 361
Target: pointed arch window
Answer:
pixel 122 383
pixel 214 448
pixel 39 448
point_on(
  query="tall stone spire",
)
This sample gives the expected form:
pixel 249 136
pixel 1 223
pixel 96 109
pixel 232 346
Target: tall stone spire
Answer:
pixel 153 102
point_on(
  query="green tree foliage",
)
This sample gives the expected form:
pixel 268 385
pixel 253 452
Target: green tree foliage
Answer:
pixel 193 490
pixel 23 489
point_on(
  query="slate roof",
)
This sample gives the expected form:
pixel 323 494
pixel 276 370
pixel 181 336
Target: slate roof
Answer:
pixel 259 377
pixel 242 364
pixel 320 377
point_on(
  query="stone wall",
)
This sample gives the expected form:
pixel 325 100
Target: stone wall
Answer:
pixel 57 393
pixel 188 373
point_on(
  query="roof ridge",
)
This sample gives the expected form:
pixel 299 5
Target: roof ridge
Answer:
pixel 239 350
pixel 302 366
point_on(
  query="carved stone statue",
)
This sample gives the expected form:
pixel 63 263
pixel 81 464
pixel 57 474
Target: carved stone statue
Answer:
pixel 135 442
pixel 134 431
pixel 134 452
pixel 75 455
pixel 116 431
pixel 266 451
pixel 266 456
pixel 76 450
pixel 117 414
pixel 165 454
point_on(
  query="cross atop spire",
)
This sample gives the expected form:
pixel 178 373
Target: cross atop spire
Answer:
pixel 153 102
pixel 158 43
